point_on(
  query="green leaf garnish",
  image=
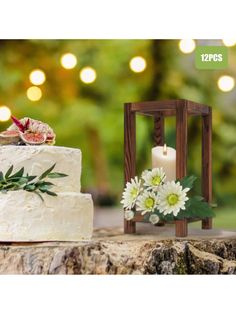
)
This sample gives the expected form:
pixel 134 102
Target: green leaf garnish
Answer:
pixel 9 172
pixel 36 192
pixel 21 181
pixel 31 178
pixel 46 173
pixel 19 173
pixel 29 187
pixel 51 193
pixel 55 175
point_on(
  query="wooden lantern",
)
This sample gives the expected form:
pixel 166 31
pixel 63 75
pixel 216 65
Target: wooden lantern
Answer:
pixel 159 110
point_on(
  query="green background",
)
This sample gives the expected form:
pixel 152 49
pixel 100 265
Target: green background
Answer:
pixel 91 116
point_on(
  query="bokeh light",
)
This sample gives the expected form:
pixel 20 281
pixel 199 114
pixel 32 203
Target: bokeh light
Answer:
pixel 229 42
pixel 68 61
pixel 138 64
pixel 34 93
pixel 37 77
pixel 187 45
pixel 88 75
pixel 226 83
pixel 5 113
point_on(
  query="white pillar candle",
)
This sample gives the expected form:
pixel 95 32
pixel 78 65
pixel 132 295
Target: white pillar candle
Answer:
pixel 165 157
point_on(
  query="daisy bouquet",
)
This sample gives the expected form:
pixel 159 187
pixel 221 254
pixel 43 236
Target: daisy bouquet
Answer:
pixel 160 200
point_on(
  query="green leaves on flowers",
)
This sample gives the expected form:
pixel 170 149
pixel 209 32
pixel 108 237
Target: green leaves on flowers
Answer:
pixel 188 181
pixel 21 181
pixel 195 207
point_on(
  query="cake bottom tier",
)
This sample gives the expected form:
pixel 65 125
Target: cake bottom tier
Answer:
pixel 24 217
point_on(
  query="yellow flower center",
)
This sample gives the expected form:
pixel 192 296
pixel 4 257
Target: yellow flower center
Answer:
pixel 156 180
pixel 149 202
pixel 134 192
pixel 172 199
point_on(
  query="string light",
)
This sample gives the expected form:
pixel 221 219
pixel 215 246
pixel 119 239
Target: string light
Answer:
pixel 37 77
pixel 137 64
pixel 187 45
pixel 68 61
pixel 5 113
pixel 226 83
pixel 88 75
pixel 229 42
pixel 34 93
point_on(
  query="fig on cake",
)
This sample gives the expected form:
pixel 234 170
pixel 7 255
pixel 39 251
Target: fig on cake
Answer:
pixel 9 137
pixel 27 131
pixel 30 138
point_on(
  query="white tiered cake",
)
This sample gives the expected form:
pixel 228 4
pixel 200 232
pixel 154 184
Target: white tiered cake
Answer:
pixel 65 217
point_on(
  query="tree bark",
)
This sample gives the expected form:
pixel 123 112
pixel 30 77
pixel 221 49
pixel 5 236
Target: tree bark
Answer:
pixel 115 253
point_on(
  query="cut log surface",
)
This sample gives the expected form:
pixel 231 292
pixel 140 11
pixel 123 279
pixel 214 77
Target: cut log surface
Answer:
pixel 112 252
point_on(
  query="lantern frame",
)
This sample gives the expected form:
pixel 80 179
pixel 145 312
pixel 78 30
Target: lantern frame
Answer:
pixel 181 109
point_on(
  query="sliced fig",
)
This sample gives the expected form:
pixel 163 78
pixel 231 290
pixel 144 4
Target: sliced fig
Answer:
pixel 10 133
pixel 33 138
pixel 9 137
pixel 50 136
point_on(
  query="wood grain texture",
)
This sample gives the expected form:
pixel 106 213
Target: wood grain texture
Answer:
pixel 129 154
pixel 139 218
pixel 168 107
pixel 181 139
pixel 115 253
pixel 159 132
pixel 181 228
pixel 159 140
pixel 181 155
pixel 197 109
pixel 153 106
pixel 207 163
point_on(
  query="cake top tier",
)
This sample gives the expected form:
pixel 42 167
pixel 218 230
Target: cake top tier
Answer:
pixel 38 148
pixel 37 159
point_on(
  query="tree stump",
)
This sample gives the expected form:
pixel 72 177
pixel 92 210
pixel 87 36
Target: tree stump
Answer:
pixel 112 252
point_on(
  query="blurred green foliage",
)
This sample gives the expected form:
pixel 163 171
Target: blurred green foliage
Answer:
pixel 91 116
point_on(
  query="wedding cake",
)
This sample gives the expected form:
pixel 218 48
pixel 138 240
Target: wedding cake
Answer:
pixel 41 197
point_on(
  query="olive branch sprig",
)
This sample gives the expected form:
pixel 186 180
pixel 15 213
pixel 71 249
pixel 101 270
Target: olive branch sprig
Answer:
pixel 37 184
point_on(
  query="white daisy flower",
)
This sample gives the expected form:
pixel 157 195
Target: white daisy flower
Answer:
pixel 154 219
pixel 129 214
pixel 146 202
pixel 131 193
pixel 172 198
pixel 154 178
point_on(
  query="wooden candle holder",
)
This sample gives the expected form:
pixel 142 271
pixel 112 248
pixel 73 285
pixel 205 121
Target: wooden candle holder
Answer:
pixel 159 110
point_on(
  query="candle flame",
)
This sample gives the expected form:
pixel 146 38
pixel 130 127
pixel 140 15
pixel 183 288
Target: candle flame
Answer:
pixel 164 149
